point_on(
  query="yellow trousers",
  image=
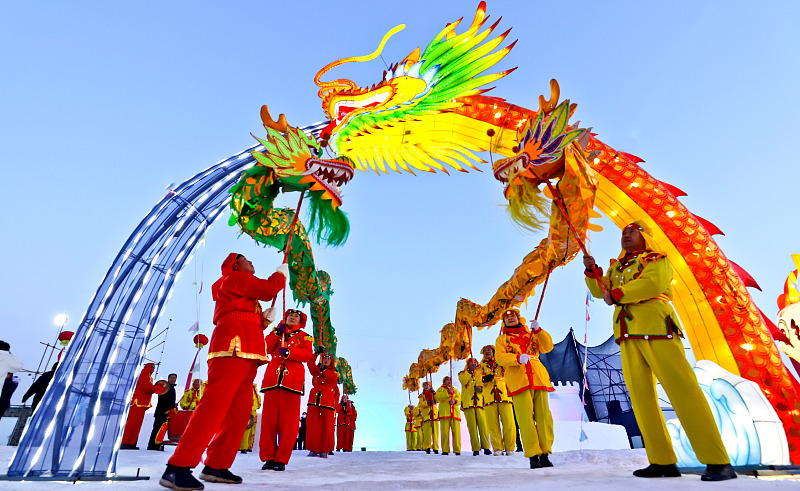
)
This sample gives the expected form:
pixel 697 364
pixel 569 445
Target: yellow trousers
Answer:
pixel 451 426
pixel 501 413
pixel 430 434
pixel 248 438
pixel 644 361
pixel 411 440
pixel 535 422
pixel 478 432
pixel 418 438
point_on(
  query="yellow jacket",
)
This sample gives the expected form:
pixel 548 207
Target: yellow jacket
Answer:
pixel 409 412
pixel 640 286
pixel 529 376
pixel 469 398
pixel 190 398
pixel 417 417
pixel 494 390
pixel 447 410
pixel 256 400
pixel 428 411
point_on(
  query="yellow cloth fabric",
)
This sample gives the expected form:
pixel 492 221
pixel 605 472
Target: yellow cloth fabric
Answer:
pixel 447 410
pixel 409 413
pixel 504 438
pixel 642 288
pixel 190 399
pixel 450 426
pixel 476 425
pixel 535 422
pixel 430 434
pixel 426 409
pixel 531 375
pixel 644 361
pixel 469 397
pixel 411 440
pixel 248 439
pixel 418 427
pixel 495 389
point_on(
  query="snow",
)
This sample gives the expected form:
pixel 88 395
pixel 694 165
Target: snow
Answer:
pixel 595 469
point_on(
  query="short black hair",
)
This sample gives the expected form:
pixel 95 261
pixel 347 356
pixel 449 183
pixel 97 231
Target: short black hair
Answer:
pixel 5 346
pixel 171 374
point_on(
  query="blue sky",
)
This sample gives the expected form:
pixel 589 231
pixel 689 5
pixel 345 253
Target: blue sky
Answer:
pixel 105 105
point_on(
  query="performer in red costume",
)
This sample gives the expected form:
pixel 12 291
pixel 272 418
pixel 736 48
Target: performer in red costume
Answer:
pixel 342 423
pixel 283 385
pixel 351 427
pixel 235 352
pixel 321 406
pixel 145 388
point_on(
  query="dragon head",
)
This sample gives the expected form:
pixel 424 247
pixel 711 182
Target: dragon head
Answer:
pixel 290 162
pixel 539 157
pixel 401 121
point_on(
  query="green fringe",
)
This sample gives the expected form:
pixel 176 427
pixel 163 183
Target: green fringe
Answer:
pixel 326 224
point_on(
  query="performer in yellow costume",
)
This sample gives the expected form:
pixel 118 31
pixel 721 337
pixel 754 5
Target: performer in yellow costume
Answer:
pixel 192 396
pixel 418 427
pixel 250 433
pixel 449 398
pixel 528 383
pixel 411 432
pixel 497 405
pixel 472 406
pixel 430 423
pixel 646 327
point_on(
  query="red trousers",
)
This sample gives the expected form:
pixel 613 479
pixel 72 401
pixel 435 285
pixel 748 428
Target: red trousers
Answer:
pixel 222 414
pixel 348 443
pixel 341 436
pixel 280 423
pixel 319 423
pixel 132 426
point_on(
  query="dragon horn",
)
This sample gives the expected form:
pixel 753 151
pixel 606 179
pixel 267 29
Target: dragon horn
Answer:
pixel 266 118
pixel 547 106
pixel 341 82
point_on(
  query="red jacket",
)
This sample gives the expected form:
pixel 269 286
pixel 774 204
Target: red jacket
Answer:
pixel 324 392
pixel 144 388
pixel 343 414
pixel 237 315
pixel 288 372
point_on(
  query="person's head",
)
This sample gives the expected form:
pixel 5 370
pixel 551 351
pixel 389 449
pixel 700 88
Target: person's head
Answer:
pixel 511 318
pixel 447 381
pixel 295 317
pixel 242 264
pixel 488 352
pixel 9 375
pixel 632 239
pixel 304 414
pixel 472 364
pixel 326 361
pixel 172 378
pixel 426 385
pixel 5 346
pixel 149 367
pixel 196 383
pixel 345 398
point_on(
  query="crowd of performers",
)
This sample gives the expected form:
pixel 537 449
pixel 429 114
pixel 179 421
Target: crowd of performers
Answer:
pixel 508 388
pixel 506 391
pixel 224 410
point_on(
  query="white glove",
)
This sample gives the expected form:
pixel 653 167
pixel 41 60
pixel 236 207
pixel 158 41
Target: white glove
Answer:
pixel 524 358
pixel 534 325
pixel 269 315
pixel 283 269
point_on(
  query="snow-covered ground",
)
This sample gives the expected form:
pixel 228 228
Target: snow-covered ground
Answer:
pixel 586 469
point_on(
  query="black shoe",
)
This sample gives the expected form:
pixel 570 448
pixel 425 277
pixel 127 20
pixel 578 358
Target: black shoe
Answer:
pixel 458 453
pixel 330 453
pixel 486 451
pixel 180 479
pixel 718 472
pixel 428 451
pixel 435 451
pixel 544 459
pixel 535 462
pixel 268 465
pixel 128 447
pixel 219 475
pixel 444 453
pixel 475 453
pixel 242 451
pixel 520 450
pixel 279 466
pixel 656 470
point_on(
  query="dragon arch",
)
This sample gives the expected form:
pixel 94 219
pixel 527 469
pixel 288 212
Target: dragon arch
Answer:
pixel 430 111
